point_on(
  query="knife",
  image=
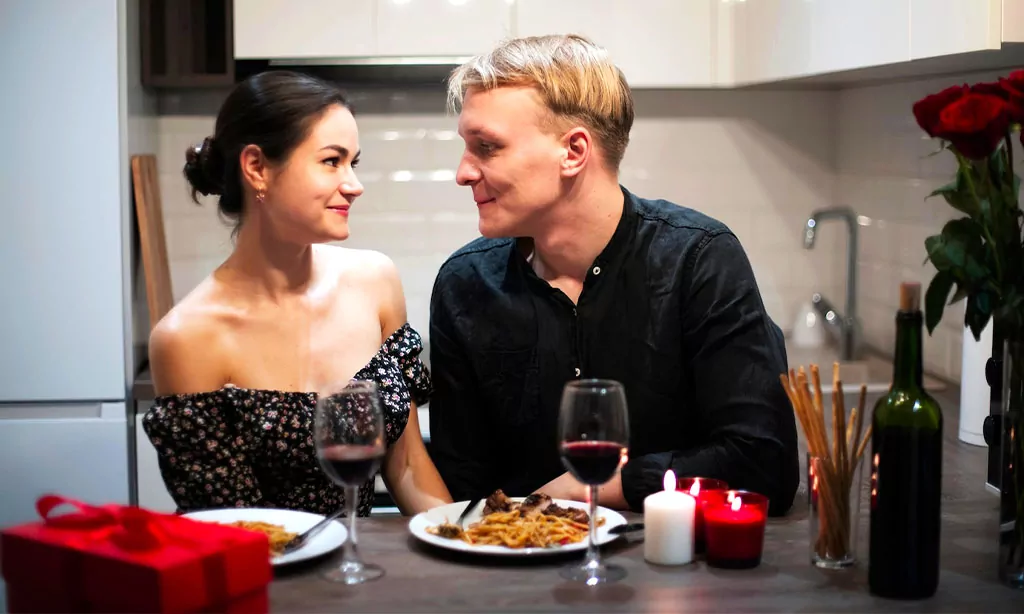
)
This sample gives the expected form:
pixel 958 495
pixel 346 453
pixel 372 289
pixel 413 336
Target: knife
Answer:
pixel 626 528
pixel 472 503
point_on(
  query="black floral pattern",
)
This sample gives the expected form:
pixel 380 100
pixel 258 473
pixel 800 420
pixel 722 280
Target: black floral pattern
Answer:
pixel 243 447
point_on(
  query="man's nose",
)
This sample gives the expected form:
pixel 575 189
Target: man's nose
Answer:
pixel 467 173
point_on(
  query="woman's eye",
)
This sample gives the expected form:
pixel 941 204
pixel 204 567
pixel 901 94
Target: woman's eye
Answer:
pixel 332 161
pixel 355 163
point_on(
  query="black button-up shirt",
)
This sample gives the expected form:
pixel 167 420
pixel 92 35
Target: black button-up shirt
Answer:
pixel 670 308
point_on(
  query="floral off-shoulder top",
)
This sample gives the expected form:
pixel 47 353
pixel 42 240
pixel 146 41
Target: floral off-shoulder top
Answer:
pixel 242 447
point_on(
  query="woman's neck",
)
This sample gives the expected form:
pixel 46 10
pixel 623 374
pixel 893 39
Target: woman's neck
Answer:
pixel 267 266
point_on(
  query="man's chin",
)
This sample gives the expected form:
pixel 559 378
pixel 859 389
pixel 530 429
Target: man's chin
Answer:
pixel 494 231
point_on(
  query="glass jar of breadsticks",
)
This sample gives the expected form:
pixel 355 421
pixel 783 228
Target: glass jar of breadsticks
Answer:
pixel 834 480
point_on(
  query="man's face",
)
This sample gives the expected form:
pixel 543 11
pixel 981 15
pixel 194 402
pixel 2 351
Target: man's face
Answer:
pixel 512 160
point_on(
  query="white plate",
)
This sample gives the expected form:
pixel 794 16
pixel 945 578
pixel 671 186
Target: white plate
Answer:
pixel 293 521
pixel 450 513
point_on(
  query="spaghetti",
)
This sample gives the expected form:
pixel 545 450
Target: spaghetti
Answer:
pixel 275 533
pixel 514 529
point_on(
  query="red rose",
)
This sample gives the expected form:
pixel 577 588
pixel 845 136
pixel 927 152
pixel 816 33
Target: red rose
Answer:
pixel 1010 89
pixel 927 110
pixel 974 124
pixel 1014 87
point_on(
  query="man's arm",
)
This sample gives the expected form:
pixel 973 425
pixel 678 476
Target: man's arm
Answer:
pixel 735 356
pixel 459 436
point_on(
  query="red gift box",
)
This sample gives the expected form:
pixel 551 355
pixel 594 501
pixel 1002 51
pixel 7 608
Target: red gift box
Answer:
pixel 126 559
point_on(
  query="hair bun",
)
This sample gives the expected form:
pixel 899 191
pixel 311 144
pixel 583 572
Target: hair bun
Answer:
pixel 204 168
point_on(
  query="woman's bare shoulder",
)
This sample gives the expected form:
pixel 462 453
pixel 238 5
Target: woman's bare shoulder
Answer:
pixel 187 347
pixel 378 276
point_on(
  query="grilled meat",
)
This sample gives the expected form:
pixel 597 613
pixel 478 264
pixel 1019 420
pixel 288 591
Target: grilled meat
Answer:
pixel 572 513
pixel 535 504
pixel 498 502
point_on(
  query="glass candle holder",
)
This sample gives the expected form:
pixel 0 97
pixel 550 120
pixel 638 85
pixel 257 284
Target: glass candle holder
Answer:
pixel 734 522
pixel 699 488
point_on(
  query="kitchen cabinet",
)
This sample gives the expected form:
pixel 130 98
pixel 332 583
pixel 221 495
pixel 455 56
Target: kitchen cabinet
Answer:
pixel 947 27
pixel 785 39
pixel 1013 21
pixel 186 44
pixel 840 39
pixel 771 39
pixel 271 29
pixel 456 27
pixel 656 43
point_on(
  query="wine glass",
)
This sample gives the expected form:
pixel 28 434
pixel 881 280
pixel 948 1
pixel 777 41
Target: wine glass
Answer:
pixel 349 435
pixel 593 428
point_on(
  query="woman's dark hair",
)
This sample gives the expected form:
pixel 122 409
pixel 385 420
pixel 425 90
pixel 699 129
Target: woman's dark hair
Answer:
pixel 273 110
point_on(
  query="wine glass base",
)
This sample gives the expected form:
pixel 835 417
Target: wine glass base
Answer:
pixel 354 572
pixel 593 573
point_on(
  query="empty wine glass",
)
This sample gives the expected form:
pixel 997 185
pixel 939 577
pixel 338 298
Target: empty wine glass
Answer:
pixel 594 434
pixel 349 436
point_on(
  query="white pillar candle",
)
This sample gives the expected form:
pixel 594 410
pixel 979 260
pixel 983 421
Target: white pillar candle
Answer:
pixel 669 525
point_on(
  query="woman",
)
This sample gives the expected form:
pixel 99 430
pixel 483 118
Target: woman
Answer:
pixel 238 362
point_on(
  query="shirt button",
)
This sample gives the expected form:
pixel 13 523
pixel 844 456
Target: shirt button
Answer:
pixel 597 270
pixel 577 371
pixel 573 311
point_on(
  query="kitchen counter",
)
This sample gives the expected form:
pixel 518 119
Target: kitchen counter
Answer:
pixel 423 579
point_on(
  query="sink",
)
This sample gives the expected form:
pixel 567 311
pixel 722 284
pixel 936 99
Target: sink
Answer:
pixel 872 369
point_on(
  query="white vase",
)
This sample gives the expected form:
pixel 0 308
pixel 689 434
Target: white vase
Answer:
pixel 975 393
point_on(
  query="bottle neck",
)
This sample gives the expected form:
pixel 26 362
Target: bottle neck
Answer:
pixel 907 365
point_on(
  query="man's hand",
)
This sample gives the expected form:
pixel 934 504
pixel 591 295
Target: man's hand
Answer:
pixel 567 487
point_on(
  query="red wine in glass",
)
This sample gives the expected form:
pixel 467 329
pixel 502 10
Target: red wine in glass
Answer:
pixel 592 462
pixel 593 430
pixel 351 466
pixel 349 437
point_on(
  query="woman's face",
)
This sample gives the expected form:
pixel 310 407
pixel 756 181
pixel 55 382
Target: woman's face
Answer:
pixel 308 196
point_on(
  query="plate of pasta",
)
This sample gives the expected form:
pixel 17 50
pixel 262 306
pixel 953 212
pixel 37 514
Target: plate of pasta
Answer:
pixel 280 526
pixel 514 526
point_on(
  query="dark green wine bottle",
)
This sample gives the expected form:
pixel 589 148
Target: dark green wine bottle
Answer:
pixel 906 470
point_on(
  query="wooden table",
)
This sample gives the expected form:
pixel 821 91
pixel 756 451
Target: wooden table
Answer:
pixel 423 579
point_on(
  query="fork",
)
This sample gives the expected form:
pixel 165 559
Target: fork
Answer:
pixel 300 540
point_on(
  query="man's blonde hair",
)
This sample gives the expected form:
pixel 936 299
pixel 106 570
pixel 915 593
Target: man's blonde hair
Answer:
pixel 574 77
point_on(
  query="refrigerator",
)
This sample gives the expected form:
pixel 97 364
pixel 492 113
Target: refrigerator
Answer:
pixel 65 309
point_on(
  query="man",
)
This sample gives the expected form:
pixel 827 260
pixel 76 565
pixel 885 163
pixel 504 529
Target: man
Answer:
pixel 576 277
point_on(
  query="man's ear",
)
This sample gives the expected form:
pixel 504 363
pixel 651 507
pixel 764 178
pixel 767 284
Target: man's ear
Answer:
pixel 578 146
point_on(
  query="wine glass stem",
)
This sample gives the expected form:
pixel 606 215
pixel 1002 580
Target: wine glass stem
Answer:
pixel 351 551
pixel 593 555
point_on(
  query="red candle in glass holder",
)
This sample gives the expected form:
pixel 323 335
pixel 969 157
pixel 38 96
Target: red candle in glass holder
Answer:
pixel 699 488
pixel 734 522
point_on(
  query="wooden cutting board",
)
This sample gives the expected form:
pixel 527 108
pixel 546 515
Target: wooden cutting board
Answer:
pixel 152 239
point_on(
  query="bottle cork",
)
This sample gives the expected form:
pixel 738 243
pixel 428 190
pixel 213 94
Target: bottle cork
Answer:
pixel 910 296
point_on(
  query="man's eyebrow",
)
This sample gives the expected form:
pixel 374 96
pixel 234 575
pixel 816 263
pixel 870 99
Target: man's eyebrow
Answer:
pixel 481 132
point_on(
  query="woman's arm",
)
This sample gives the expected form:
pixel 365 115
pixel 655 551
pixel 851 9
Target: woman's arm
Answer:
pixel 409 473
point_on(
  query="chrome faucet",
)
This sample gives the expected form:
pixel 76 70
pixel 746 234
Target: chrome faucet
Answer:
pixel 845 326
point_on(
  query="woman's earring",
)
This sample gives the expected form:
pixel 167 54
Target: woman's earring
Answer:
pixel 260 195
